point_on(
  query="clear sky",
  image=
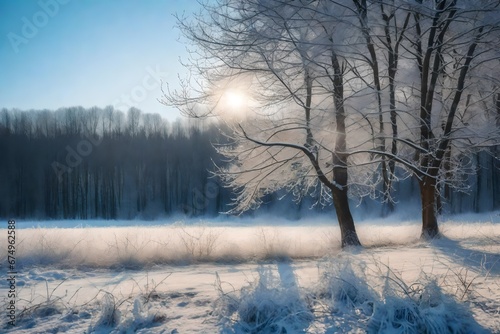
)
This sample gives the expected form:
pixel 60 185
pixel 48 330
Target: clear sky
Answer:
pixel 59 53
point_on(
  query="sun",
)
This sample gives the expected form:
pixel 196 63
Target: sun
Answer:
pixel 234 101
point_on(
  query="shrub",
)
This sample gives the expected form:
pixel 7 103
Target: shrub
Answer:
pixel 265 306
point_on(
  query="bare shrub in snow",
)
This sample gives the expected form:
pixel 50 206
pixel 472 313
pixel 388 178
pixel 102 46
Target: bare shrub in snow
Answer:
pixel 109 316
pixel 128 249
pixel 343 291
pixel 150 289
pixel 199 242
pixel 123 316
pixel 349 296
pixel 265 306
pixel 352 299
pixel 420 308
pixel 137 318
pixel 40 306
pixel 130 313
pixel 273 246
pixel 42 310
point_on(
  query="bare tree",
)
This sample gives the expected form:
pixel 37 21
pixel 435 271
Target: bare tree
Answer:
pixel 133 121
pixel 453 43
pixel 290 55
pixel 439 60
pixel 383 25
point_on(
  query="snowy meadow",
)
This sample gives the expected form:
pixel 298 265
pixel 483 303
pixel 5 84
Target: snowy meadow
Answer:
pixel 248 276
pixel 295 109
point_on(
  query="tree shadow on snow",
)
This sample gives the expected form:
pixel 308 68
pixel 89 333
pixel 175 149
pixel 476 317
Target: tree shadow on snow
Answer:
pixel 480 261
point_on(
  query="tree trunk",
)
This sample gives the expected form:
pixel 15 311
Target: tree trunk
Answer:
pixel 339 160
pixel 348 234
pixel 430 228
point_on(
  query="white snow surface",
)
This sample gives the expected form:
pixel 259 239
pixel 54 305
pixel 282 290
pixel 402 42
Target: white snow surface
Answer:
pixel 260 275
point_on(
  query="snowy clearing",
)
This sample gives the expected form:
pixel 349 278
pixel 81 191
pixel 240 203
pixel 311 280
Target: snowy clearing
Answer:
pixel 206 277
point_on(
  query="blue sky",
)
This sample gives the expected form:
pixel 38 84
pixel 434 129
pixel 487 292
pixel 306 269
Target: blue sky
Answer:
pixel 58 53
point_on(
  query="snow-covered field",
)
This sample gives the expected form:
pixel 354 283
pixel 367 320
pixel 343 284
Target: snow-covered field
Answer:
pixel 254 276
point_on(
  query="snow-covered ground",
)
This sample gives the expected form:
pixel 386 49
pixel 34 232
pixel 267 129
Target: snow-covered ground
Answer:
pixel 254 276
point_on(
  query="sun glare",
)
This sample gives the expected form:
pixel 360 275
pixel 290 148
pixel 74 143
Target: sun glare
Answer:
pixel 234 104
pixel 235 101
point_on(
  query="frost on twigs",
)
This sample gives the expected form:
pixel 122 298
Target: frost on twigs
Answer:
pixel 129 314
pixel 140 317
pixel 125 316
pixel 345 286
pixel 355 298
pixel 109 316
pixel 351 296
pixel 420 308
pixel 343 293
pixel 265 306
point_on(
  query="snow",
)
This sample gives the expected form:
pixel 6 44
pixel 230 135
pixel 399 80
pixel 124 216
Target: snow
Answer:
pixel 253 277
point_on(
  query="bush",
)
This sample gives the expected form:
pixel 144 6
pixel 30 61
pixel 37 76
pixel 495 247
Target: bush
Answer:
pixel 265 306
pixel 421 309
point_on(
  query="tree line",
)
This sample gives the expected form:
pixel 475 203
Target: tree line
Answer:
pixel 100 163
pixel 77 163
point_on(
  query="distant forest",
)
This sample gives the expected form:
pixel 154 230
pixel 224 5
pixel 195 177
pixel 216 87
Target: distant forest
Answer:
pixel 76 163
